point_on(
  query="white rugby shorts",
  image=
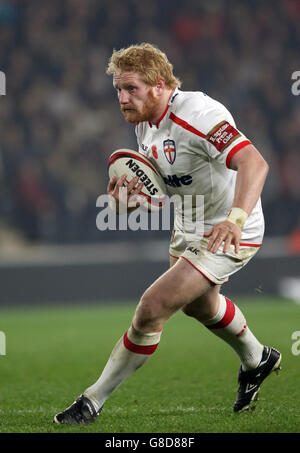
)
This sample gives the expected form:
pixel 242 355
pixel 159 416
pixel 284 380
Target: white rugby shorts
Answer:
pixel 216 267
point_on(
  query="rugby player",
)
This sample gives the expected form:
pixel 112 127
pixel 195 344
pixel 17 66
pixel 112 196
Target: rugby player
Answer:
pixel 194 141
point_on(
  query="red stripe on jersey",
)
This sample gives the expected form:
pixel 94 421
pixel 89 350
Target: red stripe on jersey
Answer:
pixel 227 318
pixel 246 244
pixel 162 116
pixel 173 256
pixel 138 349
pixel 235 149
pixel 185 125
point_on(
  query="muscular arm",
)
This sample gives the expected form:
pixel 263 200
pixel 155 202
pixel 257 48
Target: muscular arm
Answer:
pixel 252 171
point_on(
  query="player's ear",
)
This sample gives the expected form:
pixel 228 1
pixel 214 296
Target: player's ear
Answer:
pixel 160 86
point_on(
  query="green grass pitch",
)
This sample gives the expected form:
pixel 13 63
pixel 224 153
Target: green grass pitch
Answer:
pixel 188 386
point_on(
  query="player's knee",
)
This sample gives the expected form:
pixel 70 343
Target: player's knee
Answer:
pixel 145 320
pixel 149 313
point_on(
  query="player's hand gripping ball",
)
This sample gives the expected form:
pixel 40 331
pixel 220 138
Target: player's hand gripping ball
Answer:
pixel 126 161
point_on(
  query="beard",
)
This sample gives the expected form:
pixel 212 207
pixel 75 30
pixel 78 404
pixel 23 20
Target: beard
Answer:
pixel 145 113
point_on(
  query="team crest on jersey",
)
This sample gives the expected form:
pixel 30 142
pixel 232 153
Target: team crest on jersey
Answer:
pixel 170 150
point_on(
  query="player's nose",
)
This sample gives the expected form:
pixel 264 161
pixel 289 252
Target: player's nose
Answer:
pixel 123 97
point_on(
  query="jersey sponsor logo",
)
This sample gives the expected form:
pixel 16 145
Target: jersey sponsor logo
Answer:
pixel 170 150
pixel 193 250
pixel 178 181
pixel 222 135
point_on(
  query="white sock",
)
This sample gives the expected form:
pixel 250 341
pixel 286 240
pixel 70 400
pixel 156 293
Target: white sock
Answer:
pixel 129 354
pixel 230 324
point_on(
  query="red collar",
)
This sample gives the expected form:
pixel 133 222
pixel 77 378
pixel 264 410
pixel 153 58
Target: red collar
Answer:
pixel 161 118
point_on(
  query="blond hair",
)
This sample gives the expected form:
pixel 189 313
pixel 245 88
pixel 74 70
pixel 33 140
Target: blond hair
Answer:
pixel 147 60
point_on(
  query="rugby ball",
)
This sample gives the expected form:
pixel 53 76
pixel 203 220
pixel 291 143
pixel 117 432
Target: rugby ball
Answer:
pixel 132 163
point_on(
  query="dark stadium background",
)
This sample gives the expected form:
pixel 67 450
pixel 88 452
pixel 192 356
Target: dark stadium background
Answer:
pixel 60 121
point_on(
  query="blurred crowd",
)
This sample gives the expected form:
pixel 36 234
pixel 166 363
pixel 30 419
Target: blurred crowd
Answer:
pixel 60 118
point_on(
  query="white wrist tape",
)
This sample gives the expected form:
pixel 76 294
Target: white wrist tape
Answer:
pixel 237 216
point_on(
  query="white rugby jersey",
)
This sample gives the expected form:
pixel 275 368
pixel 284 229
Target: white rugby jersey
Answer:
pixel 192 145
